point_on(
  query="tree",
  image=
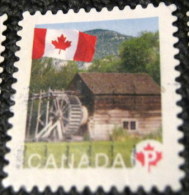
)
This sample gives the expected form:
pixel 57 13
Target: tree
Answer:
pixel 138 54
pixel 45 74
pixel 107 64
pixel 66 74
pixel 141 54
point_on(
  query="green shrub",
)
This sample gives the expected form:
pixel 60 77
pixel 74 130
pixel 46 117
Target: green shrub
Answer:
pixel 119 134
pixel 157 135
pixel 86 136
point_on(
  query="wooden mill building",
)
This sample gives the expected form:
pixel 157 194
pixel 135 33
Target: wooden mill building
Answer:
pixel 128 100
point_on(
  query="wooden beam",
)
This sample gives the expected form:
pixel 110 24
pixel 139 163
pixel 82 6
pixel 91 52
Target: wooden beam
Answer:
pixel 47 109
pixel 38 115
pixel 28 130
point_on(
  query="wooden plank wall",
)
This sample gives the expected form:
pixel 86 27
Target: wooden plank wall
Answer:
pixel 102 123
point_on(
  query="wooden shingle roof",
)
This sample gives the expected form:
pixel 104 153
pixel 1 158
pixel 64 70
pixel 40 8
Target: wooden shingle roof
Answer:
pixel 120 83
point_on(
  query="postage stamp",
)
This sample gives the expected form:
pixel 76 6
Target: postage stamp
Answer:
pixel 95 101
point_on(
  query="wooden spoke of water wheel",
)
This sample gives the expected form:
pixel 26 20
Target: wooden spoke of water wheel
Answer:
pixel 58 116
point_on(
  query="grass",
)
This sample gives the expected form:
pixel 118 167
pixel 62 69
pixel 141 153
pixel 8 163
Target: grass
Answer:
pixel 77 149
pixel 72 152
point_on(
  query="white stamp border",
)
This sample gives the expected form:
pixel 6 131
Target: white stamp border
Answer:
pixel 106 178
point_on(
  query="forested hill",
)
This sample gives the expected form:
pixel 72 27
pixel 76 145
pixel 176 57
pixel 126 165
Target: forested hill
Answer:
pixel 108 42
pixel 138 55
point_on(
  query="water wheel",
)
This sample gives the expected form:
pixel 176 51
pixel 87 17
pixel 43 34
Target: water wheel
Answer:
pixel 57 116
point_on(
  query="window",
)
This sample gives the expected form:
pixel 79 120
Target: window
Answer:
pixel 126 125
pixel 133 125
pixel 129 125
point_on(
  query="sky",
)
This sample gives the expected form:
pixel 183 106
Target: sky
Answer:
pixel 131 27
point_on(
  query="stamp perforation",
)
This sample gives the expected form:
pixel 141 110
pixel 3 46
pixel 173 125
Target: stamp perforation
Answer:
pixel 16 75
pixel 2 39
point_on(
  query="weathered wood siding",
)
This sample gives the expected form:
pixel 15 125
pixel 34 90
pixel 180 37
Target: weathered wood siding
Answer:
pixel 109 111
pixel 103 122
pixel 85 95
pixel 127 102
pixel 114 101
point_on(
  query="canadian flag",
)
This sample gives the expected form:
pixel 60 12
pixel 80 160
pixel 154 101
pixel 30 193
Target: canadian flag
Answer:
pixel 63 44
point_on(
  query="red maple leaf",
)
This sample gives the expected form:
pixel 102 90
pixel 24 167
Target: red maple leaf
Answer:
pixel 62 43
pixel 149 147
pixel 140 157
pixel 158 158
pixel 146 160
